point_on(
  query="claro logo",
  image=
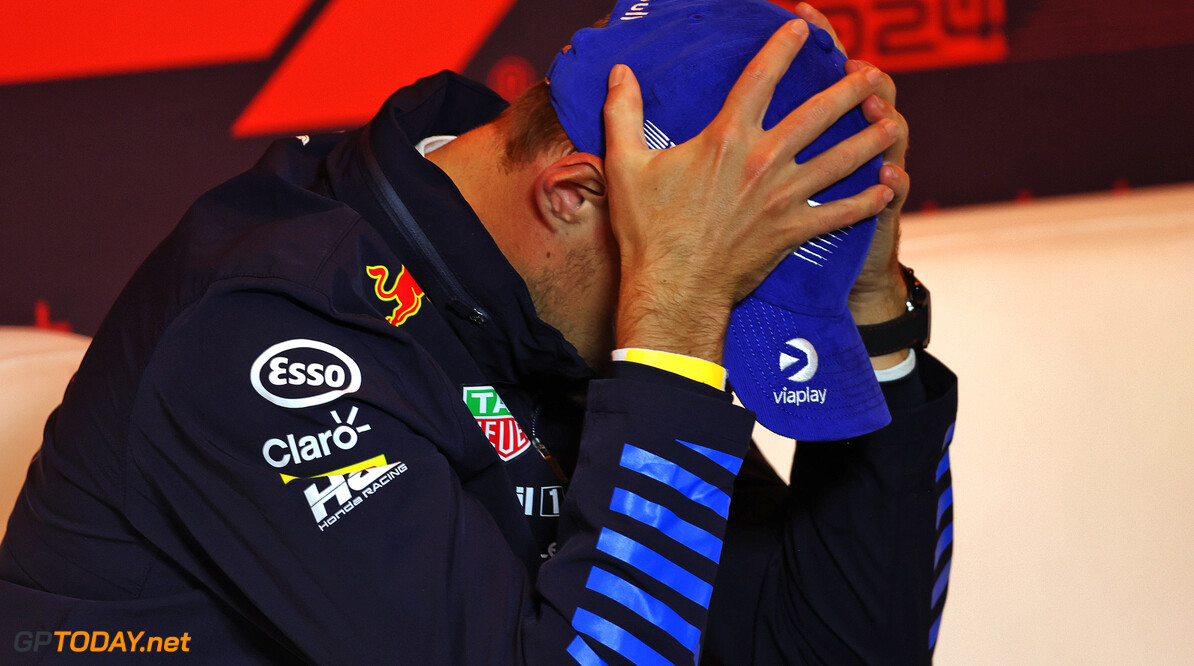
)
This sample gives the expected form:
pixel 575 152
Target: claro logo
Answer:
pixel 304 373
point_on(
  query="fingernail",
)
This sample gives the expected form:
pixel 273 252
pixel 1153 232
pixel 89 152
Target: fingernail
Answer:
pixel 888 194
pixel 799 27
pixel 617 75
pixel 874 76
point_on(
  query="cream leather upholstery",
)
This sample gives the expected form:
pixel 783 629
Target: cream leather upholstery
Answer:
pixel 35 367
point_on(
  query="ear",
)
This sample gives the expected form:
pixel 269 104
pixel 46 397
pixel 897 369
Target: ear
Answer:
pixel 571 191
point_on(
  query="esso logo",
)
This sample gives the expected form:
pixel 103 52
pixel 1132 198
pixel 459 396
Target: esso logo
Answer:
pixel 304 373
pixel 282 371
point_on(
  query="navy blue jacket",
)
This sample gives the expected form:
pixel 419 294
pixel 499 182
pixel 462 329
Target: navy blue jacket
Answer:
pixel 316 426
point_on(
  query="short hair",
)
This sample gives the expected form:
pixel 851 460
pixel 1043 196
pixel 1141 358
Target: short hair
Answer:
pixel 532 127
pixel 531 124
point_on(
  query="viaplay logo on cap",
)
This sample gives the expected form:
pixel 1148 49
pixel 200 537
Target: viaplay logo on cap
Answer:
pixel 786 360
pixel 799 357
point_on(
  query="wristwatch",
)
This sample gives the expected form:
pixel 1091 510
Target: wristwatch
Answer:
pixel 909 330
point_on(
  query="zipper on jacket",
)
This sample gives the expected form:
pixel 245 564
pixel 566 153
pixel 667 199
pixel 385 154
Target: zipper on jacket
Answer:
pixel 542 448
pixel 460 302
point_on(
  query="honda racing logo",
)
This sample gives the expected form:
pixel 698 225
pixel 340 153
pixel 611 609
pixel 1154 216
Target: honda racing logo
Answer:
pixel 333 495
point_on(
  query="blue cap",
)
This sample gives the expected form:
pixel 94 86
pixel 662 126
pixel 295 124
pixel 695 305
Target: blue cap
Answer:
pixel 793 352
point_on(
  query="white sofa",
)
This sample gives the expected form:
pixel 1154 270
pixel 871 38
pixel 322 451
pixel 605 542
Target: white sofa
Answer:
pixel 35 367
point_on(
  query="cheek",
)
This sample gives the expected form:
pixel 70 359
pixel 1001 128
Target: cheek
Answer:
pixel 610 276
pixel 595 268
pixel 611 259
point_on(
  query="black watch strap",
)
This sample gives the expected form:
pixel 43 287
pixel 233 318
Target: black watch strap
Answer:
pixel 909 330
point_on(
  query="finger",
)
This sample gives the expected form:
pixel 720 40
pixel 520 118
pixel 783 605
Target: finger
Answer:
pixel 751 94
pixel 840 213
pixel 887 88
pixel 875 109
pixel 809 120
pixel 810 14
pixel 899 182
pixel 623 112
pixel 843 159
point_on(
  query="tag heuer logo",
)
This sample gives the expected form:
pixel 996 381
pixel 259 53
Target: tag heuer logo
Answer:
pixel 496 421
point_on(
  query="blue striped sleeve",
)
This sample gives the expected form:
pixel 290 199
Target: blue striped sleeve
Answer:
pixel 669 473
pixel 666 521
pixel 646 606
pixel 583 654
pixel 617 639
pixel 655 565
pixel 731 463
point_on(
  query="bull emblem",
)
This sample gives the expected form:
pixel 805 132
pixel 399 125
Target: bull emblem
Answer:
pixel 405 292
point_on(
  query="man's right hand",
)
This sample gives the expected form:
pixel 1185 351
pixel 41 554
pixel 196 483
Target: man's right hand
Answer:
pixel 700 225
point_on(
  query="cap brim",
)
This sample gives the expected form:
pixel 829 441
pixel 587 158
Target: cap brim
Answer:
pixel 807 377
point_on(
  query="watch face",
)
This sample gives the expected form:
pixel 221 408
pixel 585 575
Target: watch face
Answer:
pixel 927 317
pixel 910 329
pixel 919 307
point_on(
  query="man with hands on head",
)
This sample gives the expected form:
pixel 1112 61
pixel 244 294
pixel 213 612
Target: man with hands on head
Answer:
pixel 884 606
pixel 273 444
pixel 702 224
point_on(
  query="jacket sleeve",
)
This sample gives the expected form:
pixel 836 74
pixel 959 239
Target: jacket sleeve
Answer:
pixel 849 565
pixel 317 475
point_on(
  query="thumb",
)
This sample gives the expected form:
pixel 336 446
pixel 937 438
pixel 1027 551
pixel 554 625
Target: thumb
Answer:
pixel 623 112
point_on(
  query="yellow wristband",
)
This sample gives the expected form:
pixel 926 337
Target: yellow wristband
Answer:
pixel 690 367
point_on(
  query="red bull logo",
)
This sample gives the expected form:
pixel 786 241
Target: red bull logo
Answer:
pixel 405 292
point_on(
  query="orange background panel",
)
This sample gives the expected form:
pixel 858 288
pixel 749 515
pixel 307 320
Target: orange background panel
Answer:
pixel 358 52
pixel 55 39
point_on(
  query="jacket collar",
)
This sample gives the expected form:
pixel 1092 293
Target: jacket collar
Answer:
pixel 470 276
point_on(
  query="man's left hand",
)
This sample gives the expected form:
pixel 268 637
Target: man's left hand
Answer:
pixel 879 293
